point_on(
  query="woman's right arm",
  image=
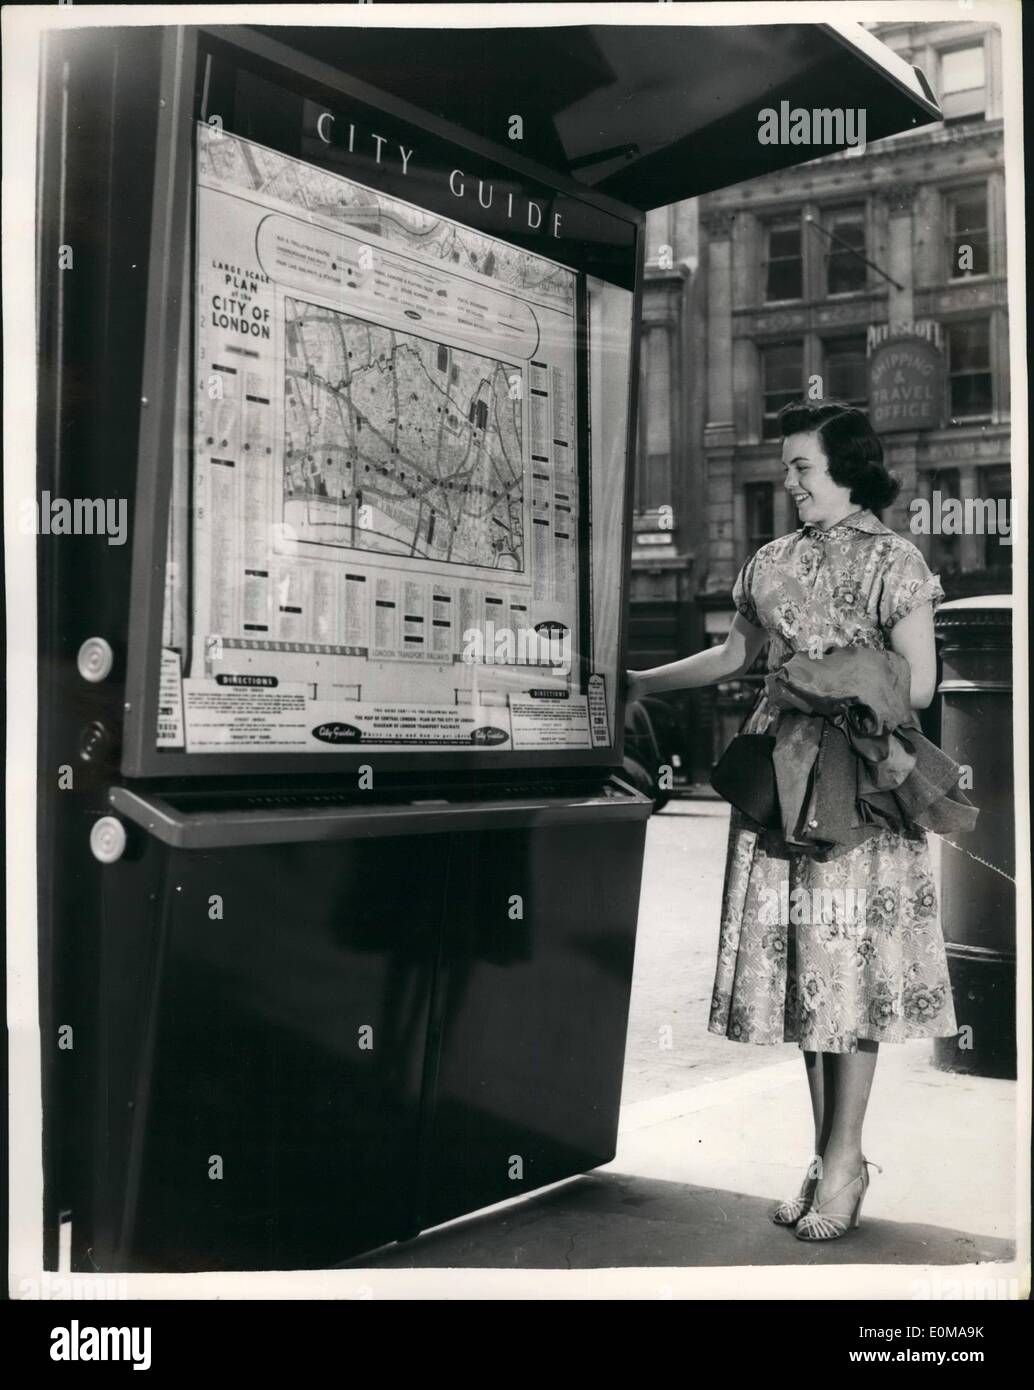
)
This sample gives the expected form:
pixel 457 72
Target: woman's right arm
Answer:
pixel 708 667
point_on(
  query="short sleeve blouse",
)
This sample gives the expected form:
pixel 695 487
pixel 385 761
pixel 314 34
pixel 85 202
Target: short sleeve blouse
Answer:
pixel 846 586
pixel 908 584
pixel 741 593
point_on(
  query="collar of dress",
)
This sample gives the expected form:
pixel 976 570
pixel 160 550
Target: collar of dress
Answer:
pixel 861 520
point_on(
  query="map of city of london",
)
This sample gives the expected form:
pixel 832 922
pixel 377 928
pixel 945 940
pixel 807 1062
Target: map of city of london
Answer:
pixel 399 444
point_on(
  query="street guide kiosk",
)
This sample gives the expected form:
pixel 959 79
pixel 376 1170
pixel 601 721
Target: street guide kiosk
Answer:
pixel 340 897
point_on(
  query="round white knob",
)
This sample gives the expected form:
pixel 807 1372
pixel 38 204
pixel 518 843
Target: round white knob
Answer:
pixel 108 839
pixel 95 659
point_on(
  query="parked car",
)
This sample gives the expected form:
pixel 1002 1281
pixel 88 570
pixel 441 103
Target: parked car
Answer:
pixel 645 727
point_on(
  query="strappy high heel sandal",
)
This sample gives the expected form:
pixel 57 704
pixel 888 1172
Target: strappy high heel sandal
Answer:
pixel 818 1224
pixel 788 1213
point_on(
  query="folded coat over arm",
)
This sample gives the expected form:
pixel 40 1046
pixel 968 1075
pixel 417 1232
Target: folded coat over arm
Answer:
pixel 849 757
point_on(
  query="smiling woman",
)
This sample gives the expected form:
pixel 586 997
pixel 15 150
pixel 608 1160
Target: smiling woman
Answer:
pixel 844 583
pixel 832 456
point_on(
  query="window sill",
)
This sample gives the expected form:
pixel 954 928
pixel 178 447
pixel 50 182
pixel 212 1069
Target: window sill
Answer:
pixel 876 292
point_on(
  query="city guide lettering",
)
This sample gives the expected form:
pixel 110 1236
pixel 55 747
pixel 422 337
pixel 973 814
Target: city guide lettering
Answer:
pixel 518 207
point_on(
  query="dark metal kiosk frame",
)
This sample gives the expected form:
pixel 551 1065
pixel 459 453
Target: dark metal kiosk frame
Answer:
pixel 367 1040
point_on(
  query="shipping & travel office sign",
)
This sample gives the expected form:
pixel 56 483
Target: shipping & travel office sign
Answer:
pixel 906 376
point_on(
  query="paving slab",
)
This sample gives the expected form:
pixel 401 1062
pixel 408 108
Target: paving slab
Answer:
pixel 697 1173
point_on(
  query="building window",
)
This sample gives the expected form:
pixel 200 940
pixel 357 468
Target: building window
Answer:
pixel 969 371
pixel 846 272
pixel 846 374
pixel 945 551
pixel 996 484
pixel 760 509
pixel 967 232
pixel 784 272
pixel 782 372
pixel 963 83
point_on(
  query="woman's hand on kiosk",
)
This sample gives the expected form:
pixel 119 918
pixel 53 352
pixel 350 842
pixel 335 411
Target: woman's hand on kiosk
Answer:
pixel 634 686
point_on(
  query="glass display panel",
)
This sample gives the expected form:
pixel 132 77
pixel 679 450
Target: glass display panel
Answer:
pixel 398 477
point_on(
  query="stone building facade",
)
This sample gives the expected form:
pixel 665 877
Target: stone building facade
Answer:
pixel 761 292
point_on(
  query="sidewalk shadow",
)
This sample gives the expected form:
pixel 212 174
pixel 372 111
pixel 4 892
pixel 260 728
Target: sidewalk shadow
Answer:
pixel 612 1220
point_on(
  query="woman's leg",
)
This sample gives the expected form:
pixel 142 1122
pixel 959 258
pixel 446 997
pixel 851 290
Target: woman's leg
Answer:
pixel 816 1070
pixel 847 1083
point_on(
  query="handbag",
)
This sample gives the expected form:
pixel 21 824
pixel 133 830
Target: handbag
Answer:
pixel 745 777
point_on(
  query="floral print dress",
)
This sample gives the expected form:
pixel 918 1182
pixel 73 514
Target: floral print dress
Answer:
pixel 825 954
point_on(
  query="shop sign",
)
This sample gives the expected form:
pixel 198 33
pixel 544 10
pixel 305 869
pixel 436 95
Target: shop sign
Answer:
pixel 906 376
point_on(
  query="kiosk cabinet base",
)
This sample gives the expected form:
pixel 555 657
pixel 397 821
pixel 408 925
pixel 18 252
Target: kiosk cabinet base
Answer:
pixel 314 1049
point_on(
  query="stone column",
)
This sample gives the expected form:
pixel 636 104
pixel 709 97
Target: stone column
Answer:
pixel 719 430
pixel 746 391
pixel 899 198
pixel 740 543
pixel 928 238
pixel 924 489
pixel 900 456
pixel 993 68
pixel 971 548
pixel 1000 363
pixel 658 234
pixel 718 226
pixel 686 231
pixel 721 541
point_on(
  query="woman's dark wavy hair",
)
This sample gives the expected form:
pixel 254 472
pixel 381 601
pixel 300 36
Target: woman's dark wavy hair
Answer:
pixel 852 448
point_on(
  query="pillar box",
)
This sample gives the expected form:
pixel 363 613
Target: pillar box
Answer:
pixel 978 901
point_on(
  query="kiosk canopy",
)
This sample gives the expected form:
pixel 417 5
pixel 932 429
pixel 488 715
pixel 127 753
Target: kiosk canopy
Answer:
pixel 649 114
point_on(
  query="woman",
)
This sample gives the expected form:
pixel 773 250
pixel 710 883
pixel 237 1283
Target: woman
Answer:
pixel 839 990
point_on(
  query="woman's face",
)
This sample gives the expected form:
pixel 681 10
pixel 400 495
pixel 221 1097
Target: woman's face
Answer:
pixel 806 478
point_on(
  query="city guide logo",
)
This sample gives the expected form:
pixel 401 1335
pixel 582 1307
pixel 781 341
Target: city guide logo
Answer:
pixel 337 732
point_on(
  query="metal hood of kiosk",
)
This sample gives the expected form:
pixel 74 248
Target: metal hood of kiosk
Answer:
pixel 648 114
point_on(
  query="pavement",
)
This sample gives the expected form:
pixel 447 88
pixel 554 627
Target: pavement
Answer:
pixel 668 1046
pixel 713 1133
